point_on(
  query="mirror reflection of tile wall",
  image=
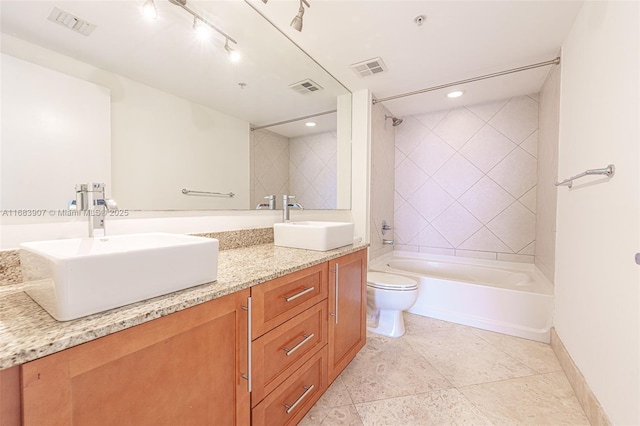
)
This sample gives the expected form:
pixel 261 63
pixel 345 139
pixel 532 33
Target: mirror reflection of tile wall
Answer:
pixel 304 166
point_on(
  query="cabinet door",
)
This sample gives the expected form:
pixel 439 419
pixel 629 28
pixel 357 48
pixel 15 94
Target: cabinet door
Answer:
pixel 347 310
pixel 184 369
pixel 10 396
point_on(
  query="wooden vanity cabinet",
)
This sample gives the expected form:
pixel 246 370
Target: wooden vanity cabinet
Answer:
pixel 295 314
pixel 191 367
pixel 347 310
pixel 10 397
pixel 185 368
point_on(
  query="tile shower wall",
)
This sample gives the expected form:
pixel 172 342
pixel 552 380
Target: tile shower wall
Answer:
pixel 465 181
pixel 382 179
pixel 313 170
pixel 269 166
pixel 303 166
pixel 547 192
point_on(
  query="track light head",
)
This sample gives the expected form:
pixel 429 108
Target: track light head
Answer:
pixel 149 10
pixel 234 55
pixel 296 23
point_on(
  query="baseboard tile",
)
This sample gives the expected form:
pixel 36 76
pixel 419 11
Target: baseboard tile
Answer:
pixel 592 408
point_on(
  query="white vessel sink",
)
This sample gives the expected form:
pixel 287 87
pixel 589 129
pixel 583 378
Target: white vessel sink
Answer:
pixel 311 235
pixel 77 277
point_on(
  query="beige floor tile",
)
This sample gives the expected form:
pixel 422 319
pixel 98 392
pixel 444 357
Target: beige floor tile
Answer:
pixel 336 396
pixel 543 399
pixel 389 367
pixel 337 416
pixel 441 407
pixel 535 355
pixel 417 325
pixel 464 359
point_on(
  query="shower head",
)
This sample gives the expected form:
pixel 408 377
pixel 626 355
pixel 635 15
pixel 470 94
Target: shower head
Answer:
pixel 395 121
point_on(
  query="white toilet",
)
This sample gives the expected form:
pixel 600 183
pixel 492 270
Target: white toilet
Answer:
pixel 387 296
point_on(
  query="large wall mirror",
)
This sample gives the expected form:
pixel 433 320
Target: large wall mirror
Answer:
pixel 94 91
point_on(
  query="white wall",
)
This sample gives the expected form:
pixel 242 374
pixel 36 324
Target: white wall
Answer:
pixel 16 230
pixel 56 133
pixel 597 281
pixel 361 163
pixel 383 136
pixel 160 143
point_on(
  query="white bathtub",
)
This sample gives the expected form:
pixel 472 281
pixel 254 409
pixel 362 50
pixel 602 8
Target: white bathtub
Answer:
pixel 507 297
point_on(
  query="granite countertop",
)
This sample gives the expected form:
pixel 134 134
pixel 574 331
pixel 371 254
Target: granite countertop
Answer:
pixel 28 332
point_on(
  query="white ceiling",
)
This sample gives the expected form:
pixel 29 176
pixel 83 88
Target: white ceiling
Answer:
pixel 165 54
pixel 458 40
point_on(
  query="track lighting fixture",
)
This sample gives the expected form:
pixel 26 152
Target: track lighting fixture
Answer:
pixel 202 30
pixel 234 55
pixel 149 10
pixel 200 25
pixel 296 23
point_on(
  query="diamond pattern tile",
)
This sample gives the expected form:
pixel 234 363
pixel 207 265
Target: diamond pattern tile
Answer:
pixel 409 134
pixel 431 154
pixel 529 199
pixel 487 148
pixel 518 119
pixel 485 240
pixel 456 224
pixel 516 226
pixel 487 110
pixel 457 175
pixel 431 119
pixel 409 178
pixel 517 173
pixel 430 200
pixel 407 223
pixel 480 199
pixel 429 237
pixel 486 199
pixel 531 144
pixel 457 127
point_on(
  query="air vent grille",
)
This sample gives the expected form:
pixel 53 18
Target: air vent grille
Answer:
pixel 71 22
pixel 369 67
pixel 306 86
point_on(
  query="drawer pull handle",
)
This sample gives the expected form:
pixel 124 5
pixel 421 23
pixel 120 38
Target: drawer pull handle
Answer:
pixel 302 293
pixel 307 337
pixel 307 390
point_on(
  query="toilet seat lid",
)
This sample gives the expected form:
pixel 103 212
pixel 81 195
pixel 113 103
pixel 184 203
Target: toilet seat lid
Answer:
pixel 385 281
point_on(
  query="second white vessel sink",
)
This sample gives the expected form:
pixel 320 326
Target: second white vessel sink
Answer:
pixel 73 278
pixel 312 235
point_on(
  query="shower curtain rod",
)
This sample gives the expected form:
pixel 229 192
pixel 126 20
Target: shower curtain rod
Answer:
pixel 555 61
pixel 294 120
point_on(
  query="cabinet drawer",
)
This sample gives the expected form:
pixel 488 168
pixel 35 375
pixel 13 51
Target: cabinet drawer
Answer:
pixel 279 300
pixel 292 400
pixel 284 349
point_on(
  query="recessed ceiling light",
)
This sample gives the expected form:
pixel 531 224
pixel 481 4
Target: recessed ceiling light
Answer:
pixel 310 124
pixel 455 94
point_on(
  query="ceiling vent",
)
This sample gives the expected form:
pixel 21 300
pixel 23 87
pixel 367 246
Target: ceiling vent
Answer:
pixel 306 86
pixel 369 67
pixel 71 22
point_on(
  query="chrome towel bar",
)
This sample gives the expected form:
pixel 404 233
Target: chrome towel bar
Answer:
pixel 609 171
pixel 189 192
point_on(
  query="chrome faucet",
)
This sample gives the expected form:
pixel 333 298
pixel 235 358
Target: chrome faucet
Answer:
pixel 286 204
pixel 90 199
pixel 271 204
